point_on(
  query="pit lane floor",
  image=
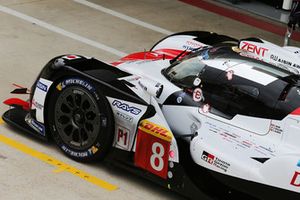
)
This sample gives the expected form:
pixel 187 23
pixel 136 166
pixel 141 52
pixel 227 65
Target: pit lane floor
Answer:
pixel 34 31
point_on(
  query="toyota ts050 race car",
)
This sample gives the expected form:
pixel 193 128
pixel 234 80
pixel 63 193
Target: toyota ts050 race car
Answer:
pixel 202 114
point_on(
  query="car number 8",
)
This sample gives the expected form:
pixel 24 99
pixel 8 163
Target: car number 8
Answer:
pixel 157 155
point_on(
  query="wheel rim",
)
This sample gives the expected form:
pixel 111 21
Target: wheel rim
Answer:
pixel 77 118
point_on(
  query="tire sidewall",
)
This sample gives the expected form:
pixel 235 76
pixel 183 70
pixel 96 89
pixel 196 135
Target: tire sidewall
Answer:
pixel 103 142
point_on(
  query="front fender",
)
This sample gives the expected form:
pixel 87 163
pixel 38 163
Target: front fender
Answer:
pixel 101 75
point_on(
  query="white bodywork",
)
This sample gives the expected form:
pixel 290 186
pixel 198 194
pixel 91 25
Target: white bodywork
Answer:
pixel 255 149
pixel 233 147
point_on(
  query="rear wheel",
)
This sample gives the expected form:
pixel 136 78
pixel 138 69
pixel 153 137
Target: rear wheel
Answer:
pixel 80 120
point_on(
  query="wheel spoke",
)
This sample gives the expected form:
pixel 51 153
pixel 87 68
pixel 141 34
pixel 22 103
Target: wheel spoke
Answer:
pixel 90 116
pixel 64 119
pixel 85 104
pixel 77 117
pixel 70 101
pixel 78 99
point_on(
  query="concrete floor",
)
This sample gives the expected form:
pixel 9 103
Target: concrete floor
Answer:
pixel 26 47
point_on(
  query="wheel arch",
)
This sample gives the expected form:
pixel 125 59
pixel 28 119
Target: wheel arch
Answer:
pixel 100 74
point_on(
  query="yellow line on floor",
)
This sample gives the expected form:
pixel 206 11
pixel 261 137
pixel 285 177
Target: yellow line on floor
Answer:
pixel 61 167
pixel 1 121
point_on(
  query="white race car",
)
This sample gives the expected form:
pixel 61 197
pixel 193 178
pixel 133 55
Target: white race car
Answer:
pixel 202 114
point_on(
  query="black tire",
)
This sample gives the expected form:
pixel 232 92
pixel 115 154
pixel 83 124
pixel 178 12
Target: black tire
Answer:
pixel 80 119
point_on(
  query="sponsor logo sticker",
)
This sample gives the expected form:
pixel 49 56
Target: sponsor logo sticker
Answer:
pixel 252 48
pixel 155 130
pixel 123 116
pixel 37 126
pixel 215 161
pixel 76 81
pixel 126 107
pixel 197 95
pixel 71 57
pixel 123 137
pixel 42 86
pixel 296 177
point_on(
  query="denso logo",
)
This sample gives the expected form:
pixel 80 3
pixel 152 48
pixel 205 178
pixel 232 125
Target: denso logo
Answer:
pixel 252 48
pixel 126 107
pixel 296 179
pixel 42 86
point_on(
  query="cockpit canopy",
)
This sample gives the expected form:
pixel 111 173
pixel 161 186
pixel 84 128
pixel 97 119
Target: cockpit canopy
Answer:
pixel 234 84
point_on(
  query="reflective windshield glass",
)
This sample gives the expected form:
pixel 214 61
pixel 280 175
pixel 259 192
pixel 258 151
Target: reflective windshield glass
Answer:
pixel 186 71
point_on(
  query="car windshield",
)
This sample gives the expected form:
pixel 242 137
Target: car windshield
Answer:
pixel 185 72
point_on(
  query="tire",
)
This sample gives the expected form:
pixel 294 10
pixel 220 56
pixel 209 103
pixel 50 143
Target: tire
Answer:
pixel 80 119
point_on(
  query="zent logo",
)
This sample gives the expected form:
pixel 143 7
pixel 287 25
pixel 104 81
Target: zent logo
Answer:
pixel 126 107
pixel 254 49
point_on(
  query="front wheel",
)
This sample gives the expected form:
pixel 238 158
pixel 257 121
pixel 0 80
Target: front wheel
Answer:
pixel 80 120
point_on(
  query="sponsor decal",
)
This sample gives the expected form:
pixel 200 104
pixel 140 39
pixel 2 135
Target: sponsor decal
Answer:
pixel 283 61
pixel 180 97
pixel 197 82
pixel 122 139
pixel 179 100
pixel 123 116
pixel 76 81
pixel 191 45
pixel 126 107
pixel 296 177
pixel 42 86
pixel 252 48
pixel 197 95
pixel 71 57
pixel 215 161
pixel 59 87
pixel 229 75
pixel 153 148
pixel 37 126
pixel 91 151
pixel 74 153
pixel 156 130
pixel 204 109
pixel 142 86
pixel 276 129
pixel 37 104
pixel 274 57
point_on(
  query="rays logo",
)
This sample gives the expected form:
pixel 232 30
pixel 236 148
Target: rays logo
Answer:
pixel 126 107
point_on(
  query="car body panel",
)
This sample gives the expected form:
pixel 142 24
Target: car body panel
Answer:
pixel 169 131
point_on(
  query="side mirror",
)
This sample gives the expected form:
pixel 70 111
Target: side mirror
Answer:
pixel 153 88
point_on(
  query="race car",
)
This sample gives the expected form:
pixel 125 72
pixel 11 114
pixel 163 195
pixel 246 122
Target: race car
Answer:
pixel 203 114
